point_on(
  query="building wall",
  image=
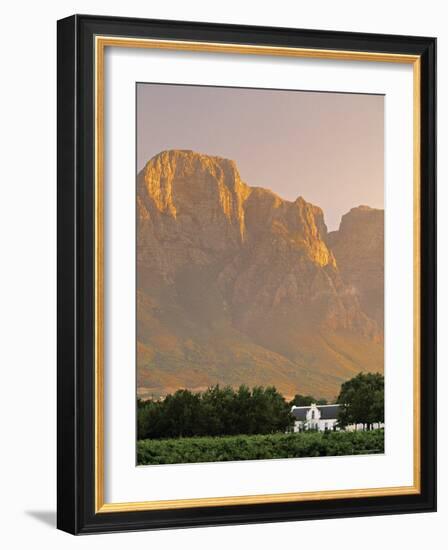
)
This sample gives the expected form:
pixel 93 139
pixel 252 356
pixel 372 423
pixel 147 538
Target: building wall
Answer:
pixel 320 425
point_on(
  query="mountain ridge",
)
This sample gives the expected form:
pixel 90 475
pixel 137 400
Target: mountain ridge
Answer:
pixel 277 309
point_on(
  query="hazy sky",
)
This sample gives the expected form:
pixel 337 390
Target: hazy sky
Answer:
pixel 326 147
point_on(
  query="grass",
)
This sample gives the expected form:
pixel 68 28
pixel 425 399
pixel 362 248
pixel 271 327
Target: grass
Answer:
pixel 253 447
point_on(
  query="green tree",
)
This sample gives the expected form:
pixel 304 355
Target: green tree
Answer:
pixel 181 414
pixel 306 400
pixel 212 419
pixel 362 398
pixel 149 418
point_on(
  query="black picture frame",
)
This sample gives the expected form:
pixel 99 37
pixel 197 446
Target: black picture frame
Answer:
pixel 76 301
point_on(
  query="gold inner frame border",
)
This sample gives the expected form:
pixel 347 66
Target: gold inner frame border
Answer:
pixel 100 44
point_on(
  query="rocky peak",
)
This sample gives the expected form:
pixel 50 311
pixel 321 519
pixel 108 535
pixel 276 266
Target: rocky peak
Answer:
pixel 268 253
pixel 173 179
pixel 371 220
pixel 200 202
pixel 358 246
pixel 204 194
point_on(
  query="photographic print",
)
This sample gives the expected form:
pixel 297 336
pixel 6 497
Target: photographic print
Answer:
pixel 260 274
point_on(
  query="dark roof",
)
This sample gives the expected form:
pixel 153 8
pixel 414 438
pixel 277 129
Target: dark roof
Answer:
pixel 300 413
pixel 327 412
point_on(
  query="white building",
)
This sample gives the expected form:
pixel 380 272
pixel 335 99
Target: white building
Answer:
pixel 315 417
pixel 321 418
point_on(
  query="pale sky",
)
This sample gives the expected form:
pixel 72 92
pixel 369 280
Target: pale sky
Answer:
pixel 326 147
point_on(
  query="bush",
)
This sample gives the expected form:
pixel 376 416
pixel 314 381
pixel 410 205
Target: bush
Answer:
pixel 252 447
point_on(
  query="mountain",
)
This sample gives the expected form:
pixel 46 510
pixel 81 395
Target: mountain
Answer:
pixel 236 285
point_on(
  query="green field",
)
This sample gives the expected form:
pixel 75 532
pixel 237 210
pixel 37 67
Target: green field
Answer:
pixel 253 447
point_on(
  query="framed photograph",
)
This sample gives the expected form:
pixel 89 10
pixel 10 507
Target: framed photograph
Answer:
pixel 246 274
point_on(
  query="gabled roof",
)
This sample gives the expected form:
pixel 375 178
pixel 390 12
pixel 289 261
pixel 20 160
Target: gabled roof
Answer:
pixel 327 412
pixel 299 413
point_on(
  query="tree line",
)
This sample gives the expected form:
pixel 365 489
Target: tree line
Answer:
pixel 216 411
pixel 228 411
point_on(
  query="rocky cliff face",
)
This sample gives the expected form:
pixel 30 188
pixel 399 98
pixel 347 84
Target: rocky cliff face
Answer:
pixel 236 285
pixel 358 246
